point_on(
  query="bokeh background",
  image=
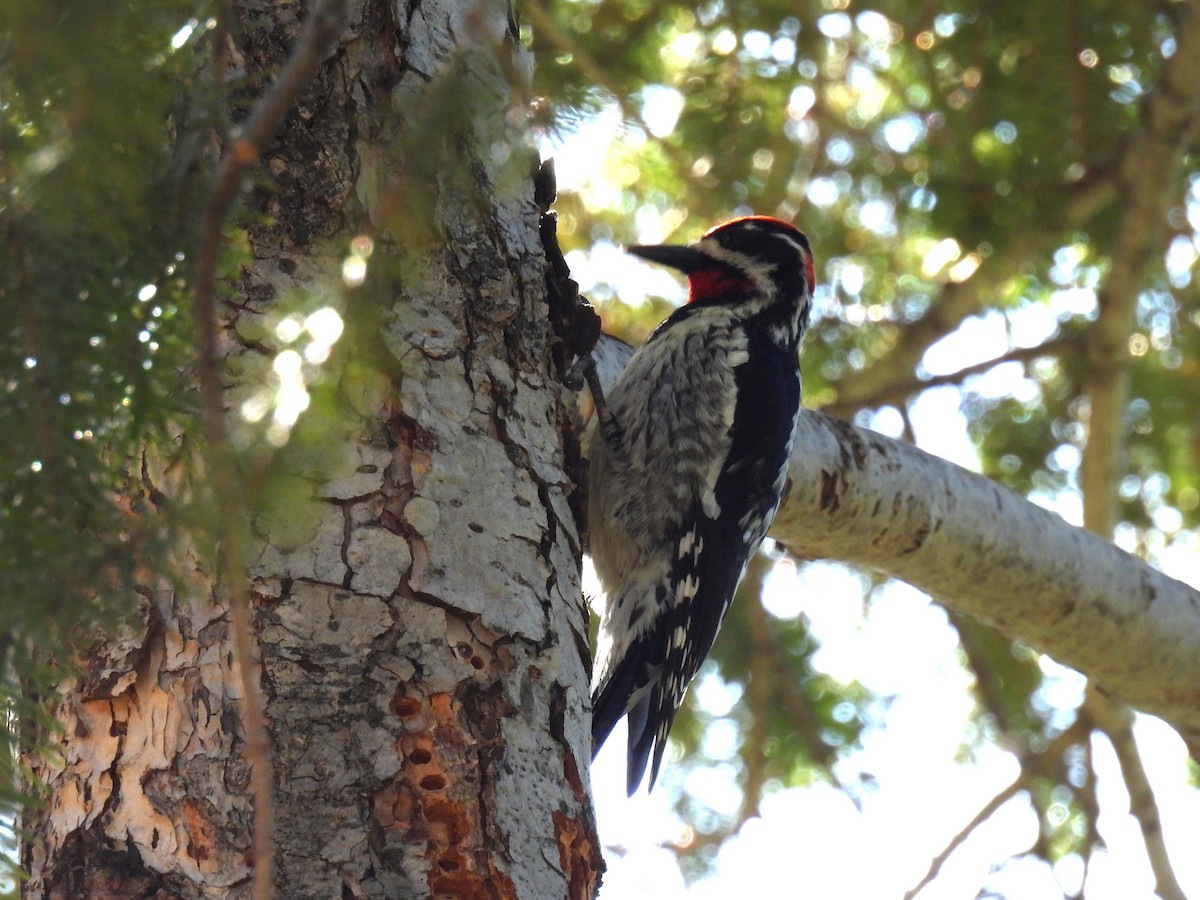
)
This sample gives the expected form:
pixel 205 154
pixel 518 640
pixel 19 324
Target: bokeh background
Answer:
pixel 1003 200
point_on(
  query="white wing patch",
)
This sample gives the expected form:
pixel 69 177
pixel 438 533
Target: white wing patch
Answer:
pixel 690 542
pixel 687 589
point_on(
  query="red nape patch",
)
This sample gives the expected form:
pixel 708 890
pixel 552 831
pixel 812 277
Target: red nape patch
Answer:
pixel 705 284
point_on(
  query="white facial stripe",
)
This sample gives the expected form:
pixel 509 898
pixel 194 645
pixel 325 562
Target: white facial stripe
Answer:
pixel 758 273
pixel 787 238
pixel 801 250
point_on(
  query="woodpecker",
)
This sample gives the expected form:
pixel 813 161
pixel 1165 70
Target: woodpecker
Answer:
pixel 688 466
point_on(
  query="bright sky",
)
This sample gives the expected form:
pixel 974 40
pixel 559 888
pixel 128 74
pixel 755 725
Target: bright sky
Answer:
pixel 900 646
pixel 924 792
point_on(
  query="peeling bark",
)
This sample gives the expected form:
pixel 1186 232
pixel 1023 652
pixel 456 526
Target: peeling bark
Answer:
pixel 418 621
pixel 150 789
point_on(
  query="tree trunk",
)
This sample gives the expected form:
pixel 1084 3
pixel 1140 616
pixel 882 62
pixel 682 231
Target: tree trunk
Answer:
pixel 417 617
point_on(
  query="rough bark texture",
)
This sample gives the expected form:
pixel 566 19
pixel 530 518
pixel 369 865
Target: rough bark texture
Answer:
pixel 419 625
pixel 978 548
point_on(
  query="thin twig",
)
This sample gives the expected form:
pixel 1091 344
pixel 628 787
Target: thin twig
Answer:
pixel 320 33
pixel 1087 800
pixel 1115 719
pixel 1031 766
pixel 990 691
pixel 935 866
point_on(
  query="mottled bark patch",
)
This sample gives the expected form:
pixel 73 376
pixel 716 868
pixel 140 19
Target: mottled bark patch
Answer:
pixel 442 796
pixel 830 492
pixel 579 856
pixel 88 868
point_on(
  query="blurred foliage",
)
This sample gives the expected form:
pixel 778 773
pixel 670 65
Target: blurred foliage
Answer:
pixel 94 321
pixel 952 166
pixel 97 197
pixel 112 118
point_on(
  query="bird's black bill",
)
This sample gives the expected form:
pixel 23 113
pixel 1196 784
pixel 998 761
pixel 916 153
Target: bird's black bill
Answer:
pixel 685 259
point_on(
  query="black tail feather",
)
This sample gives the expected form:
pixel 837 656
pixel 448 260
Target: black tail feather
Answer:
pixel 619 695
pixel 641 736
pixel 609 703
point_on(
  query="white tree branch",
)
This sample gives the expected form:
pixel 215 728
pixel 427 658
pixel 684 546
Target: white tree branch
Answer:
pixel 978 548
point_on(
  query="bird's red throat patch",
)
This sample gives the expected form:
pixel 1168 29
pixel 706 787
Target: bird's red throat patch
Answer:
pixel 714 281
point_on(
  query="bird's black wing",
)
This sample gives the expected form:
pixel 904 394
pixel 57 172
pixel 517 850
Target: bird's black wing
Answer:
pixel 711 554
